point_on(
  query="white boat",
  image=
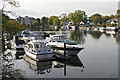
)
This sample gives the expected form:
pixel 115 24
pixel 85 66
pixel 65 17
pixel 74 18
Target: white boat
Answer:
pixel 17 43
pixel 38 50
pixel 26 36
pixel 57 44
pixel 102 29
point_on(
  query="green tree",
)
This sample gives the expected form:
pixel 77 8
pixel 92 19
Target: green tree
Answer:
pixel 97 18
pixel 77 17
pixel 105 19
pixel 44 21
pixel 117 14
pixel 13 27
pixel 5 20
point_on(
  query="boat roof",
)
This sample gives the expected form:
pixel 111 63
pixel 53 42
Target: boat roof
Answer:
pixel 60 35
pixel 35 42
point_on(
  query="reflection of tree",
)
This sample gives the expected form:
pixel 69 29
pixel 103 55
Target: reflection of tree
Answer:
pixel 96 34
pixel 107 35
pixel 77 36
pixel 117 37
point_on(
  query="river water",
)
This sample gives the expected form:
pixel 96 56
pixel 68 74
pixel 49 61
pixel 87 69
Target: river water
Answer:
pixel 98 59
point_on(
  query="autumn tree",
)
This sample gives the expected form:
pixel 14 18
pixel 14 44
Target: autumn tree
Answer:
pixel 50 20
pixel 56 21
pixel 44 21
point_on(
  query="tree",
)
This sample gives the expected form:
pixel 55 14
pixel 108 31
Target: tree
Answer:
pixel 56 21
pixel 13 3
pixel 111 16
pixel 108 24
pixel 77 17
pixel 50 20
pixel 13 27
pixel 44 21
pixel 105 19
pixel 117 14
pixel 114 24
pixel 97 18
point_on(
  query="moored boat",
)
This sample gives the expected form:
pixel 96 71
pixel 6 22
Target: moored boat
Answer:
pixel 17 43
pixel 38 50
pixel 57 44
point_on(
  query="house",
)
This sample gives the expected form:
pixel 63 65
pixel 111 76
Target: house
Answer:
pixel 90 22
pixel 114 21
pixel 25 20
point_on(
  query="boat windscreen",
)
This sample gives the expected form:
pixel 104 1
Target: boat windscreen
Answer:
pixel 37 46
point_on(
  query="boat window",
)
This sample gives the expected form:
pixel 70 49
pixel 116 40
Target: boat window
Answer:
pixel 37 46
pixel 26 35
pixel 53 40
pixel 30 46
pixel 38 38
pixel 67 40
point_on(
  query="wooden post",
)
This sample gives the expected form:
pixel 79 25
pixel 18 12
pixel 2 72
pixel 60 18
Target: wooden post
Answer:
pixel 64 68
pixel 64 50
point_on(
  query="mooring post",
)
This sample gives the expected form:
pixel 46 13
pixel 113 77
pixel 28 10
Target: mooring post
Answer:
pixel 64 50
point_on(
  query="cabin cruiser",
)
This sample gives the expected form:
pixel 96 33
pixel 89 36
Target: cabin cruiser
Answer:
pixel 26 36
pixel 38 50
pixel 56 42
pixel 17 43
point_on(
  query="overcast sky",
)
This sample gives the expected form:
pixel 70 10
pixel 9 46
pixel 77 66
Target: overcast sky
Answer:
pixel 40 8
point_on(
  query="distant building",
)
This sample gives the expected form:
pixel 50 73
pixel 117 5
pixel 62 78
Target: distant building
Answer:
pixel 25 20
pixel 108 21
pixel 114 21
pixel 90 22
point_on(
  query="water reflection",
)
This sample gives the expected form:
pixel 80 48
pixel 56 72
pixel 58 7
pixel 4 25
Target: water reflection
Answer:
pixel 19 54
pixel 39 67
pixel 77 36
pixel 46 66
pixel 73 61
pixel 96 34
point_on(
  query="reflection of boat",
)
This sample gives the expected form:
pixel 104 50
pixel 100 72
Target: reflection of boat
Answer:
pixel 73 61
pixel 112 33
pixel 110 28
pixel 38 50
pixel 57 44
pixel 17 43
pixel 19 55
pixel 40 67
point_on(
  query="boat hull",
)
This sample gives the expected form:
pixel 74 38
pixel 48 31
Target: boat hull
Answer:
pixel 69 51
pixel 39 57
